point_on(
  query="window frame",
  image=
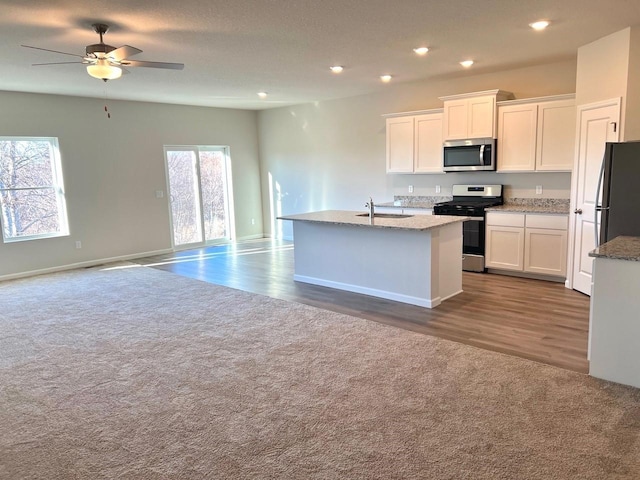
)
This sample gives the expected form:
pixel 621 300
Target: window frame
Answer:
pixel 57 186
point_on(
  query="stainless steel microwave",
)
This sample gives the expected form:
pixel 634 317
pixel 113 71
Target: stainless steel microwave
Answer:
pixel 470 155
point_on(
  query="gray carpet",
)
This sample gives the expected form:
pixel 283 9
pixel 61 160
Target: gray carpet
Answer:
pixel 135 373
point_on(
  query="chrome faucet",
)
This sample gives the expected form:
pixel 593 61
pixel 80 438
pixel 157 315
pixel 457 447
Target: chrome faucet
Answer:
pixel 369 205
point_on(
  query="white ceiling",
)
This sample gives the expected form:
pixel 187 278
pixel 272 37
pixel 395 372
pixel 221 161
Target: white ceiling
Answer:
pixel 233 49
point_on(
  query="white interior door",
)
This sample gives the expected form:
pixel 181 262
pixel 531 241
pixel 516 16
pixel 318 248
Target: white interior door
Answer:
pixel 598 123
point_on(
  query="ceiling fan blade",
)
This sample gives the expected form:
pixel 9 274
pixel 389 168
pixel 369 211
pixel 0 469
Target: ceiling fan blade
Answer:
pixel 54 51
pixel 139 63
pixel 123 52
pixel 56 63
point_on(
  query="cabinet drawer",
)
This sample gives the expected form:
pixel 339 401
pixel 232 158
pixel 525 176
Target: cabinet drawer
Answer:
pixel 555 222
pixel 505 219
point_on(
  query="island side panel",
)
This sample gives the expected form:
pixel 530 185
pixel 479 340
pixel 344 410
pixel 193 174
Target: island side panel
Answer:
pixel 389 263
pixel 449 269
pixel 615 321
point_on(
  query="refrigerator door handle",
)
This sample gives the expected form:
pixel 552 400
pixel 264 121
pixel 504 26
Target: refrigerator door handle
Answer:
pixel 595 201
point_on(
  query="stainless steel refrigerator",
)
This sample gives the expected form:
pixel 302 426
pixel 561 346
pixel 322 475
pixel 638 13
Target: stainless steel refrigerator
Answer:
pixel 620 185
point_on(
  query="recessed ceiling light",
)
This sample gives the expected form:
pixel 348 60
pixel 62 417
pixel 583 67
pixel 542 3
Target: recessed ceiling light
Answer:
pixel 386 78
pixel 466 63
pixel 337 68
pixel 421 50
pixel 262 94
pixel 540 25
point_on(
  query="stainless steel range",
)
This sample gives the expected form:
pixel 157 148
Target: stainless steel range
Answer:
pixel 471 201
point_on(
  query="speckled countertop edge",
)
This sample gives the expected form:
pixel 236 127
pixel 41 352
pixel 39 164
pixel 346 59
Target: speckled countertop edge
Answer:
pixel 620 248
pixel 345 217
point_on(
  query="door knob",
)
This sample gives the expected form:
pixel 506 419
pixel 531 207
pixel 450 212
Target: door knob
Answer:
pixel 578 211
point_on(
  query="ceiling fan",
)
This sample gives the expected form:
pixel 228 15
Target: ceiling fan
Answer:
pixel 107 62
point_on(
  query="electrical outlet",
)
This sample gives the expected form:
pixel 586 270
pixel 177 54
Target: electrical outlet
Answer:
pixel 437 188
pixel 78 244
pixel 538 189
pixel 410 188
pixel 253 221
pixel 159 194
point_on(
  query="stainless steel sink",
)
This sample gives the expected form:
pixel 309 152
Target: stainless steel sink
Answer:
pixel 385 215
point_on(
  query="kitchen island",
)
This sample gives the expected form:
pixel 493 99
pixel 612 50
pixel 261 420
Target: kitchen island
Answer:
pixel 614 323
pixel 415 259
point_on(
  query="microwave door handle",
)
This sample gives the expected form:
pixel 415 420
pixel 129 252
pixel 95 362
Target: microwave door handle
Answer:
pixel 481 155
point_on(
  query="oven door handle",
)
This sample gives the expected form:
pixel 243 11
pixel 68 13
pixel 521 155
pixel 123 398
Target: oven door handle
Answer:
pixel 475 219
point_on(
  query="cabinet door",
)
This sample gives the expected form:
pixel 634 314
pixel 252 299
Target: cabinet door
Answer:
pixel 517 126
pixel 481 120
pixel 428 143
pixel 545 251
pixel 400 145
pixel 556 136
pixel 504 248
pixel 455 121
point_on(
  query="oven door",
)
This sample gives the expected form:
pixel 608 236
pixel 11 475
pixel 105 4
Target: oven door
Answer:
pixel 473 232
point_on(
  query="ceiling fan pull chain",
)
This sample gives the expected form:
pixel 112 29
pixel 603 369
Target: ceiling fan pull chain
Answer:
pixel 105 105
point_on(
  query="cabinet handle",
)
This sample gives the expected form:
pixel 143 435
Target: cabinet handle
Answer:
pixel 578 211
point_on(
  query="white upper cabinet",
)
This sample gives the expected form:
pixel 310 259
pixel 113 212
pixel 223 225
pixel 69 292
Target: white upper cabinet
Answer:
pixel 400 144
pixel 517 127
pixel 428 143
pixel 471 115
pixel 414 142
pixel 536 134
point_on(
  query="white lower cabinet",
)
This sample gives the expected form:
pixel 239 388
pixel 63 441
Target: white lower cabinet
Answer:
pixel 531 243
pixel 505 241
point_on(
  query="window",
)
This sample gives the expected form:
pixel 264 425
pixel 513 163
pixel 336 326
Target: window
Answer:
pixel 199 183
pixel 31 189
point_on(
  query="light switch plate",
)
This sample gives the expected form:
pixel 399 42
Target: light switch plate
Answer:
pixel 410 188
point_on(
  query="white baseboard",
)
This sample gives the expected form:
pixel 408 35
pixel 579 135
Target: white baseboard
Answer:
pixel 396 297
pixel 88 263
pixel 252 237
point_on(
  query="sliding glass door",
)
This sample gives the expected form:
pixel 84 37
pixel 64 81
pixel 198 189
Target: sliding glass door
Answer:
pixel 199 181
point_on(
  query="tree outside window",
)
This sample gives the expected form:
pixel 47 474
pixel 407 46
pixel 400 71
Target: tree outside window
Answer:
pixel 31 189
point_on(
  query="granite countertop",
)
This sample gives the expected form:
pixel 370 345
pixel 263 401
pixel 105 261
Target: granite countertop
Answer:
pixel 620 248
pixel 343 217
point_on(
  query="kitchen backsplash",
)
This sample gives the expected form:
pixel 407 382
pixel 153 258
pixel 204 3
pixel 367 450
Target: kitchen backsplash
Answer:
pixel 419 200
pixel 539 202
pixel 426 201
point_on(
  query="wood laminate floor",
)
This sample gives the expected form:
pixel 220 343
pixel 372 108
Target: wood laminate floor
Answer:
pixel 534 319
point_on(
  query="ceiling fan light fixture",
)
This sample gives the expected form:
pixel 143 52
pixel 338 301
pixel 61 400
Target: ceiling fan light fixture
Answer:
pixel 103 70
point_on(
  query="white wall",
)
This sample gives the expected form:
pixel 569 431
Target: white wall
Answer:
pixel 632 119
pixel 112 168
pixel 602 69
pixel 331 154
pixel 610 68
